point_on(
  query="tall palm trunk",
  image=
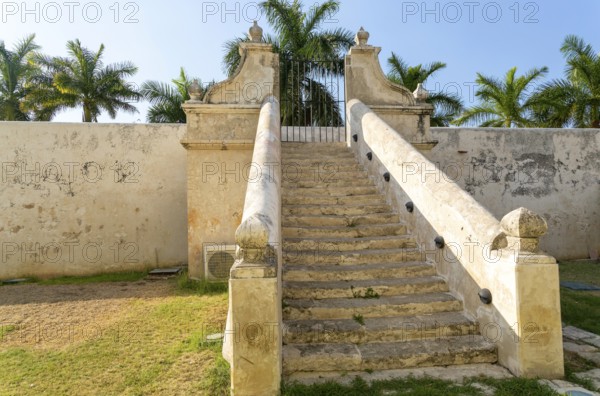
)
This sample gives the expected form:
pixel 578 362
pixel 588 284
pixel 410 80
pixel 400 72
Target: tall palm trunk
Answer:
pixel 87 113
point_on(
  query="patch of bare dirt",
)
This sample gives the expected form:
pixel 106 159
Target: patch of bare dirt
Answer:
pixel 56 316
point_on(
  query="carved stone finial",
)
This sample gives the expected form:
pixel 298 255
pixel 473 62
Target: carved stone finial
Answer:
pixel 523 229
pixel 362 37
pixel 255 33
pixel 195 91
pixel 252 236
pixel 524 223
pixel 420 94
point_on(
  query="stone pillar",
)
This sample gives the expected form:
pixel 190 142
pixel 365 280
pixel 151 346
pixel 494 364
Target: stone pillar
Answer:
pixel 253 336
pixel 220 138
pixel 404 111
pixel 253 341
pixel 538 326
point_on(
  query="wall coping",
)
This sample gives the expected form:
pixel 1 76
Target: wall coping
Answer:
pixel 218 144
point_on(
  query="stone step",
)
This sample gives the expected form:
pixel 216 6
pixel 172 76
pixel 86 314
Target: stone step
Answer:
pixel 324 162
pixel 295 175
pixel 327 181
pixel 299 273
pixel 332 191
pixel 334 210
pixel 343 244
pixel 401 329
pixel 358 231
pixel 296 199
pixel 446 373
pixel 363 289
pixel 317 161
pixel 351 257
pixel 322 168
pixel 340 221
pixel 389 355
pixel 348 308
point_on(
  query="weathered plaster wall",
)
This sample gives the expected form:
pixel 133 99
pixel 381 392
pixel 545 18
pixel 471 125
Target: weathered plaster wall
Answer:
pixel 219 141
pixel 555 173
pixel 217 181
pixel 80 199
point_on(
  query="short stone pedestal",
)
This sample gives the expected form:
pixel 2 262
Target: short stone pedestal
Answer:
pixel 537 344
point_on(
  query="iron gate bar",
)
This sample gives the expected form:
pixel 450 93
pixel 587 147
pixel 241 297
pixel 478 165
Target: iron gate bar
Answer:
pixel 313 103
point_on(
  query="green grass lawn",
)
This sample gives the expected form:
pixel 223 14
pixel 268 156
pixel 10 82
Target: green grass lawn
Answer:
pixel 156 347
pixel 581 308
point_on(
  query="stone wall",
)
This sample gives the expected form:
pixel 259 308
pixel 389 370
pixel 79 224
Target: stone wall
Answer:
pixel 80 199
pixel 555 173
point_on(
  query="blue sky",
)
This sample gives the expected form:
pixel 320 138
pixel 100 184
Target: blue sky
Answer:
pixel 160 36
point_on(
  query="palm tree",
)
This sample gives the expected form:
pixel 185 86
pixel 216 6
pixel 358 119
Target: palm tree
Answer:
pixel 574 100
pixel 310 55
pixel 15 71
pixel 447 106
pixel 504 103
pixel 82 80
pixel 166 100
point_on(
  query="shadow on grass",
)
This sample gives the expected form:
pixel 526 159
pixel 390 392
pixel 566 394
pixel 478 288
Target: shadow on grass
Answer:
pixel 201 287
pixel 107 286
pixel 423 387
pixel 116 277
pixel 80 280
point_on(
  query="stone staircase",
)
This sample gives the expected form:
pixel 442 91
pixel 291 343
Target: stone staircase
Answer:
pixel 357 294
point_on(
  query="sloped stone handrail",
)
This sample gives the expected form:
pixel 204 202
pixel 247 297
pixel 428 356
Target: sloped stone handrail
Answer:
pixel 259 235
pixel 522 316
pixel 406 164
pixel 253 340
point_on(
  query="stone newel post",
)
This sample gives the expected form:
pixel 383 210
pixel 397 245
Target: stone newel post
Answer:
pixel 536 344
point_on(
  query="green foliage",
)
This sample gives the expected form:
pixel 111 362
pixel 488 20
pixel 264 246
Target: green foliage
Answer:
pixel 166 100
pixel 447 106
pixel 300 35
pixel 358 318
pixel 16 69
pixel 369 293
pixel 575 99
pixel 82 80
pixel 504 103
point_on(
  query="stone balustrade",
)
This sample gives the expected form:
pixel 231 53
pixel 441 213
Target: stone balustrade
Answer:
pixel 479 252
pixel 253 335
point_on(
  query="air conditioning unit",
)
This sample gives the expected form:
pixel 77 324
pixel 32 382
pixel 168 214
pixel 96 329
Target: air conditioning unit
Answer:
pixel 218 260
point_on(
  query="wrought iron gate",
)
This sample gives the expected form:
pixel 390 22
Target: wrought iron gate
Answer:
pixel 312 100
